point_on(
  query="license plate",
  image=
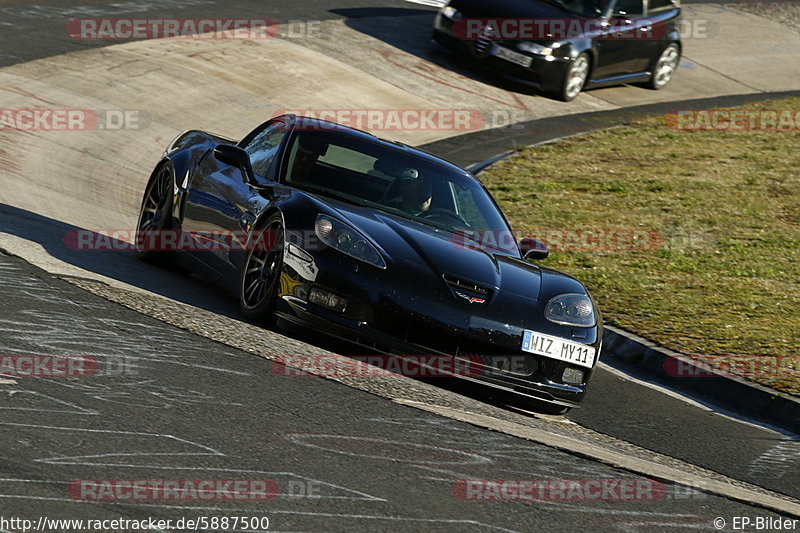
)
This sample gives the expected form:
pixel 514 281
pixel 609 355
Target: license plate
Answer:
pixel 558 348
pixel 510 55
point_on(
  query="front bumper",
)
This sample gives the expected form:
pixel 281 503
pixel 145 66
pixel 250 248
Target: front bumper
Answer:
pixel 421 317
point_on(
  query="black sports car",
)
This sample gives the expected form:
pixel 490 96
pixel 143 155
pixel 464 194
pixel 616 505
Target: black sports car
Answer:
pixel 375 242
pixel 564 46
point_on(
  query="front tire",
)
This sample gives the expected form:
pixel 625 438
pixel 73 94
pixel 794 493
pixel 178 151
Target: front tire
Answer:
pixel 665 67
pixel 261 270
pixel 575 78
pixel 155 216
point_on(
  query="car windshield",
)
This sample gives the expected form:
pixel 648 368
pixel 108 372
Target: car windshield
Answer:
pixel 386 178
pixel 584 8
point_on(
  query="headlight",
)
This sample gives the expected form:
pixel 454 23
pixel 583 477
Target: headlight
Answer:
pixel 342 237
pixel 451 13
pixel 571 310
pixel 535 48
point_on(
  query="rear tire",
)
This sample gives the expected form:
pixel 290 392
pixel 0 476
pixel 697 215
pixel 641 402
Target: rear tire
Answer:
pixel 155 216
pixel 665 67
pixel 261 270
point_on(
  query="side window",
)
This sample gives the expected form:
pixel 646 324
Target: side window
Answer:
pixel 629 8
pixel 661 4
pixel 467 208
pixel 264 147
pixel 350 159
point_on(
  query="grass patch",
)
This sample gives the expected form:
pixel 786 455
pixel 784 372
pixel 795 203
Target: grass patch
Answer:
pixel 724 278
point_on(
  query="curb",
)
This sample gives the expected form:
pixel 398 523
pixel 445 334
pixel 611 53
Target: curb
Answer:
pixel 466 149
pixel 623 350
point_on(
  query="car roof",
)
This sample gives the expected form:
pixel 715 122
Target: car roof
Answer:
pixel 294 120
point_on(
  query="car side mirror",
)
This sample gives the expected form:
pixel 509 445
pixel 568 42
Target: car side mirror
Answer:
pixel 235 157
pixel 533 250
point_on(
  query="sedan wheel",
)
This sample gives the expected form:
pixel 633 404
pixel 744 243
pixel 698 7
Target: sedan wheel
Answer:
pixel 155 215
pixel 262 268
pixel 576 78
pixel 665 67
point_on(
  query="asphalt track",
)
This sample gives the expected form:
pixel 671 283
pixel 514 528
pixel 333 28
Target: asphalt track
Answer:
pixel 40 25
pixel 169 405
pixel 185 404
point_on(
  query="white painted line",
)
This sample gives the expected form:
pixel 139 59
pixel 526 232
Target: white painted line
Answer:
pixel 76 460
pixel 469 458
pixel 431 3
pixel 696 402
pixel 550 506
pixel 777 461
pixel 719 485
pixel 74 408
pixel 660 388
pixel 638 527
pixel 111 432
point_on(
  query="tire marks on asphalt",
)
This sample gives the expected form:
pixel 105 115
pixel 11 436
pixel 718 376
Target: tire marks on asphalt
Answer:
pixel 376 464
pixel 782 461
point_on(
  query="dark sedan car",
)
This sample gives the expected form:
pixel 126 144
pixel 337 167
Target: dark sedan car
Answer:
pixel 564 46
pixel 377 243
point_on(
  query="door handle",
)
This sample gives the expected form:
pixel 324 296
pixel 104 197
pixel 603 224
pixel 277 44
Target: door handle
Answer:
pixel 625 25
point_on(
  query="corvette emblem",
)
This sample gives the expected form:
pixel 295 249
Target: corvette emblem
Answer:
pixel 471 299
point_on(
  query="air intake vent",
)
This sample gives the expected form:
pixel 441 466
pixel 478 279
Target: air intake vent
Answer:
pixel 484 40
pixel 466 285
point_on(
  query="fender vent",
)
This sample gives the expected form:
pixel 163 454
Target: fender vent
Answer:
pixel 456 283
pixel 484 41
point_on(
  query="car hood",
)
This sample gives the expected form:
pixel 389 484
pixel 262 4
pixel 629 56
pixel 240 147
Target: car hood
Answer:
pixel 405 241
pixel 532 9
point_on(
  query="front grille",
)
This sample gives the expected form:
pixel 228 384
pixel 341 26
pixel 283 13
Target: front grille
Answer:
pixel 494 358
pixel 429 336
pixel 425 335
pixel 480 356
pixel 485 40
pixel 517 365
